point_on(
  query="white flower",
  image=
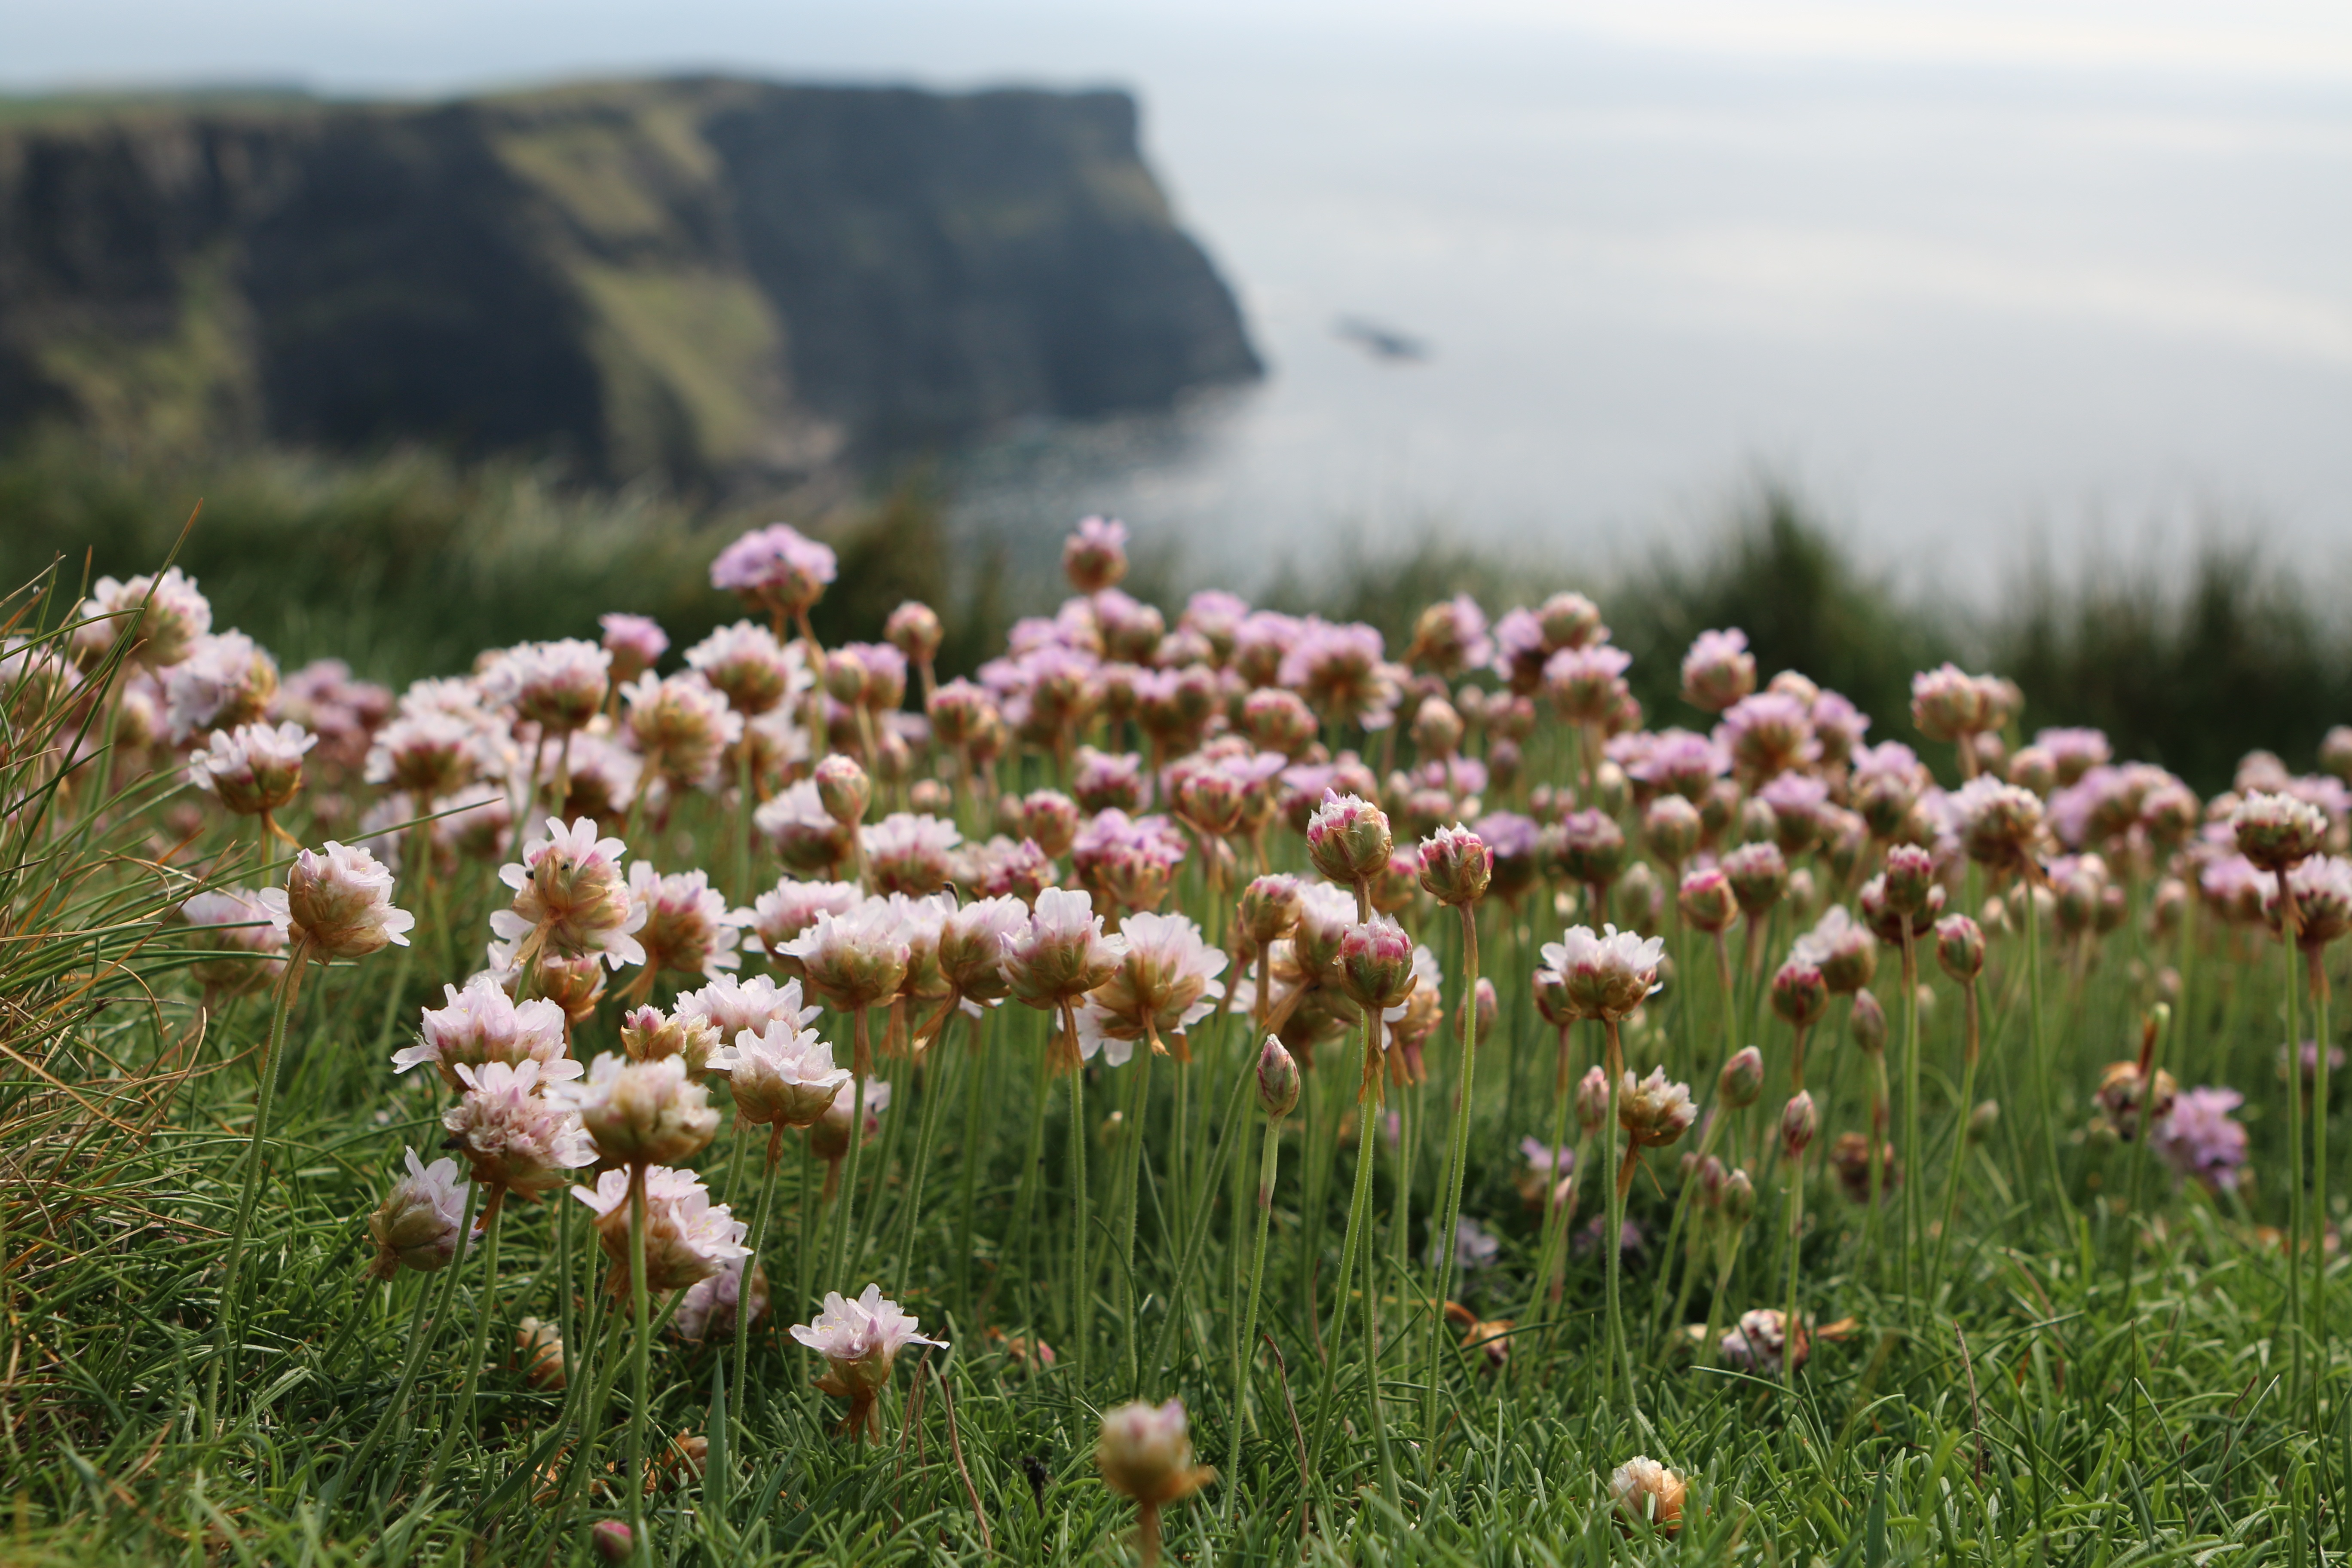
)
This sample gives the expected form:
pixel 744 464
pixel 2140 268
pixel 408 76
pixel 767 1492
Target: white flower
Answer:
pixel 1607 976
pixel 570 896
pixel 512 1136
pixel 687 926
pixel 746 663
pixel 429 753
pixel 708 1310
pixel 641 1114
pixel 855 959
pixel 165 616
pixel 225 681
pixel 418 1221
pixel 483 1023
pixel 688 1236
pixel 681 725
pixel 246 929
pixel 557 686
pixel 338 904
pixel 783 1073
pixel 861 1338
pixel 910 854
pixel 791 907
pixel 733 1006
pixel 1165 983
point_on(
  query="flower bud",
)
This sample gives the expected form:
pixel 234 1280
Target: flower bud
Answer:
pixel 1960 948
pixel 1455 867
pixel 1277 1080
pixel 417 1224
pixel 1706 899
pixel 1051 818
pixel 1737 1206
pixel 1489 1006
pixel 1982 1119
pixel 1671 828
pixel 1910 872
pixel 1348 839
pixel 1376 962
pixel 1653 1112
pixel 844 789
pixel 1269 908
pixel 1758 875
pixel 1798 1123
pixel 1145 1454
pixel 1436 727
pixel 913 630
pixel 1867 1024
pixel 1593 1100
pixel 1800 995
pixel 614 1542
pixel 1742 1078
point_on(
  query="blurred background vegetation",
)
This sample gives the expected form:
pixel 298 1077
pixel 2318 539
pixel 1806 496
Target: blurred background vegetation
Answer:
pixel 410 563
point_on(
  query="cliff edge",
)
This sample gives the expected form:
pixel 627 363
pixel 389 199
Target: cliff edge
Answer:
pixel 703 278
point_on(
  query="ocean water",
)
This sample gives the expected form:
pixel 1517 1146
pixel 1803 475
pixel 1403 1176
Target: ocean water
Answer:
pixel 1998 286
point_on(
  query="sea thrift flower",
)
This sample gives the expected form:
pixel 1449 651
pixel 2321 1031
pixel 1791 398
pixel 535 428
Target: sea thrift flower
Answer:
pixel 2200 1140
pixel 1375 963
pixel 557 686
pixel 1706 899
pixel 1844 953
pixel 1759 877
pixel 730 1006
pixel 1063 954
pixel 782 1075
pixel 774 569
pixel 512 1136
pixel 2277 831
pixel 226 680
pixel 248 932
pixel 255 769
pixel 635 643
pixel 860 1340
pixel 1450 636
pixel 746 662
pixel 428 754
pixel 571 900
pixel 1103 781
pixel 1094 557
pixel 641 1114
pixel 163 616
pixel 1348 839
pixel 1145 1454
pixel 1646 1492
pixel 1586 684
pixel 681 725
pixel 1340 672
pixel 2000 825
pixel 417 1224
pixel 1166 982
pixel 1278 1083
pixel 1800 995
pixel 1456 865
pixel 1769 733
pixel 483 1023
pixel 1756 1341
pixel 2322 890
pixel 687 927
pixel 791 908
pixel 1607 976
pixel 649 1035
pixel 829 1137
pixel 687 1238
pixel 614 1541
pixel 855 959
pixel 706 1314
pixel 1655 1112
pixel 909 854
pixel 1718 670
pixel 807 835
pixel 1798 1123
pixel 1742 1078
pixel 1475 1247
pixel 1128 862
pixel 338 904
pixel 1949 704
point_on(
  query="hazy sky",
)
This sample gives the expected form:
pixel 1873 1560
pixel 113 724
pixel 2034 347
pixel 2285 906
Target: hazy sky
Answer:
pixel 1986 277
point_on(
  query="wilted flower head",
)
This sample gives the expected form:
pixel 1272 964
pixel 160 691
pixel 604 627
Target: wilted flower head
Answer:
pixel 2200 1140
pixel 248 932
pixel 418 1222
pixel 1607 976
pixel 571 899
pixel 338 904
pixel 687 1238
pixel 640 1113
pixel 482 1024
pixel 774 569
pixel 1756 1341
pixel 2127 1102
pixel 1646 1492
pixel 513 1136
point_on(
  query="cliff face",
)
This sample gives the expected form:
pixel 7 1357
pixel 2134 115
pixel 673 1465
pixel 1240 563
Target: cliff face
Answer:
pixel 704 278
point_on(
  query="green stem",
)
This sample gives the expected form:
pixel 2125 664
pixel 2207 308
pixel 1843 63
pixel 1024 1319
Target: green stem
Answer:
pixel 1915 1218
pixel 973 1158
pixel 1244 1342
pixel 230 1330
pixel 2319 1109
pixel 934 1103
pixel 1080 1314
pixel 1971 1047
pixel 2294 1117
pixel 1130 1133
pixel 491 1211
pixel 418 1339
pixel 1612 1236
pixel 640 1365
pixel 758 1251
pixel 1457 1146
pixel 1788 1324
pixel 2046 1102
pixel 845 1200
pixel 1356 1207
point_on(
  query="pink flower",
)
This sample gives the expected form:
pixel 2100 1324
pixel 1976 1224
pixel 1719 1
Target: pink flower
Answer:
pixel 707 1312
pixel 338 904
pixel 1451 636
pixel 1063 953
pixel 640 1113
pixel 245 929
pixel 687 1238
pixel 482 1024
pixel 855 959
pixel 861 1338
pixel 511 1135
pixel 681 725
pixel 557 686
pixel 732 1007
pixel 1769 733
pixel 687 927
pixel 164 617
pixel 1718 670
pixel 635 643
pixel 226 680
pixel 1340 669
pixel 1094 557
pixel 802 830
pixel 1607 976
pixel 1000 867
pixel 1949 704
pixel 774 569
pixel 429 754
pixel 2200 1140
pixel 908 852
pixel 1128 862
pixel 791 907
pixel 971 945
pixel 417 1225
pixel 571 900
pixel 1586 684
pixel 745 661
pixel 783 1073
pixel 1166 982
pixel 255 769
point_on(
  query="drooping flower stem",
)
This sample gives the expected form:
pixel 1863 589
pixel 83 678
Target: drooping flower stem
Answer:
pixel 640 1362
pixel 1246 1341
pixel 1080 1314
pixel 229 1333
pixel 758 1250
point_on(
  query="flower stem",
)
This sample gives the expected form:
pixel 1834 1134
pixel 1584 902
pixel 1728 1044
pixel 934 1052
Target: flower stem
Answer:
pixel 230 1330
pixel 1355 1207
pixel 640 1363
pixel 973 1158
pixel 2294 1118
pixel 2048 1101
pixel 417 1339
pixel 1972 1023
pixel 1246 1340
pixel 1613 1238
pixel 1790 1327
pixel 847 1199
pixel 1914 1215
pixel 2319 1106
pixel 491 1210
pixel 1457 1144
pixel 1081 1307
pixel 1138 1100
pixel 758 1250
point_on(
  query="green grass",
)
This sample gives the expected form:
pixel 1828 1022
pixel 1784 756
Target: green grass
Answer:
pixel 2105 1380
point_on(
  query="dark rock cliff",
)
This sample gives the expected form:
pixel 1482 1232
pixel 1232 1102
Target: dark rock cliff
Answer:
pixel 703 278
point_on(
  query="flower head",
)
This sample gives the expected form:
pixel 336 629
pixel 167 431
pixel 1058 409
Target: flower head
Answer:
pixel 635 642
pixel 855 959
pixel 688 1236
pixel 245 929
pixel 1607 976
pixel 1348 839
pixel 163 616
pixel 1718 670
pixel 782 1074
pixel 791 908
pixel 338 903
pixel 641 1114
pixel 571 899
pixel 2278 831
pixel 681 725
pixel 971 945
pixel 1646 1492
pixel 910 854
pixel 226 680
pixel 687 927
pixel 1655 1112
pixel 707 1312
pixel 746 663
pixel 859 1340
pixel 417 1224
pixel 1064 953
pixel 1146 1453
pixel 1165 983
pixel 557 686
pixel 511 1135
pixel 1094 557
pixel 254 768
pixel 774 569
pixel 2200 1140
pixel 1755 1343
pixel 483 1023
